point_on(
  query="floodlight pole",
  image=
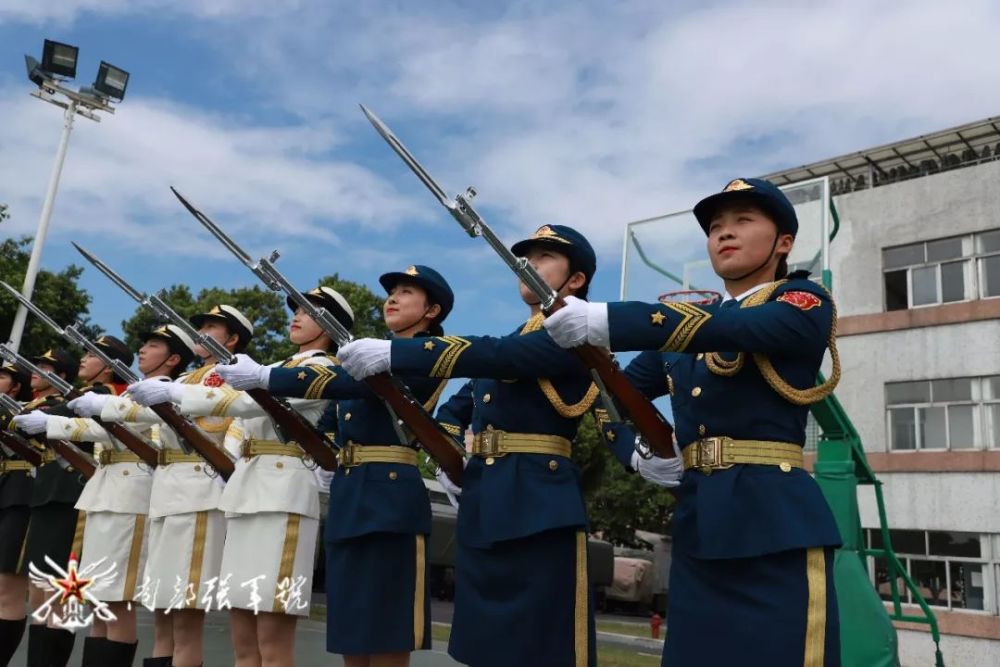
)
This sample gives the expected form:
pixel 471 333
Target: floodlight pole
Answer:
pixel 73 106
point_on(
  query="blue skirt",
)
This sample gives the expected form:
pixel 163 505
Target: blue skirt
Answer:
pixel 776 610
pixel 377 594
pixel 524 602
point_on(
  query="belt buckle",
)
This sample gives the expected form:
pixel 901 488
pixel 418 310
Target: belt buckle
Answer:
pixel 345 457
pixel 709 457
pixel 489 443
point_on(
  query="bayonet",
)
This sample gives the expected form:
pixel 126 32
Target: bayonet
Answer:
pixel 403 407
pixel 653 427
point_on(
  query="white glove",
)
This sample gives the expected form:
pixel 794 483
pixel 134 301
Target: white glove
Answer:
pixel 155 391
pixel 32 423
pixel 323 478
pixel 89 405
pixel 452 490
pixel 365 357
pixel 244 373
pixel 662 472
pixel 579 322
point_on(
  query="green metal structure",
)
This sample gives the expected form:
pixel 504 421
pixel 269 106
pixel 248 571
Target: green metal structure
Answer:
pixel 868 638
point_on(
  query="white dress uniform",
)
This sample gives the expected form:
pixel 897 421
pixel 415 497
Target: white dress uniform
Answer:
pixel 271 501
pixel 186 528
pixel 116 502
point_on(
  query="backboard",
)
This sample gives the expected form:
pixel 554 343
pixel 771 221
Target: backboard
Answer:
pixel 667 253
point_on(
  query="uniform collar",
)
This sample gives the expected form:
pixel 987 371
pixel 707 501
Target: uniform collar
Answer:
pixel 757 288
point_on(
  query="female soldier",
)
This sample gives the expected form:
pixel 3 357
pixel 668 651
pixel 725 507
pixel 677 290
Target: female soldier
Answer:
pixel 271 501
pixel 521 590
pixel 751 578
pixel 378 609
pixel 15 509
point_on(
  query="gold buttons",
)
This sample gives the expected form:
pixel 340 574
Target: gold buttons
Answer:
pixel 279 465
pixel 347 417
pixel 701 429
pixel 553 465
pixel 393 475
pixel 696 392
pixel 487 398
pixel 347 471
pixel 785 466
pixel 125 472
pixel 490 460
pixel 701 355
pixel 197 468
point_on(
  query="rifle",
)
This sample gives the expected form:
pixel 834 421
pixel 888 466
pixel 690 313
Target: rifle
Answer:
pixel 653 427
pixel 402 405
pixel 72 454
pixel 142 449
pixel 191 437
pixel 14 441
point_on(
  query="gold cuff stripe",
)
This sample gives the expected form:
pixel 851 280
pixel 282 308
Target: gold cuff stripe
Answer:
pixel 452 429
pixel 692 319
pixel 418 595
pixel 581 615
pixel 454 347
pixel 816 616
pixel 323 377
pixel 197 556
pixel 228 397
pixel 134 554
pixel 80 429
pixel 286 567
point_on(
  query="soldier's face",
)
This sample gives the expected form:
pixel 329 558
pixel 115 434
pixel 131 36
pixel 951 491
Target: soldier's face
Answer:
pixel 552 266
pixel 7 385
pixel 37 383
pixel 303 328
pixel 153 353
pixel 407 306
pixel 741 238
pixel 90 367
pixel 213 329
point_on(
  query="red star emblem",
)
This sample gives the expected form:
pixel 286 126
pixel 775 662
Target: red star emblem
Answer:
pixel 72 586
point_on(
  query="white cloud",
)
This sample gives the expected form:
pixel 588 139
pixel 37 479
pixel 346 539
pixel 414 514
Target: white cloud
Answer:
pixel 581 113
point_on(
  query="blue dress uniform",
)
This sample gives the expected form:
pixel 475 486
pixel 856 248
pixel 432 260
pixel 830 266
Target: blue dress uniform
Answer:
pixel 522 596
pixel 377 574
pixel 16 477
pixel 753 537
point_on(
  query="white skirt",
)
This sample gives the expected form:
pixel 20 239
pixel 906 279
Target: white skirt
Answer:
pixel 182 569
pixel 267 563
pixel 113 537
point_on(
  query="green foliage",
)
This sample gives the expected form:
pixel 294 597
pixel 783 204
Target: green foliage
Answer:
pixel 618 502
pixel 266 309
pixel 55 293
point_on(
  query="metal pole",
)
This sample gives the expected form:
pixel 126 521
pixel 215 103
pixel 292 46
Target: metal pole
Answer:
pixel 43 227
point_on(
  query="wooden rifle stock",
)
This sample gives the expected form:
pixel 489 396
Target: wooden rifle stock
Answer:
pixel 193 436
pixel 21 447
pixel 430 435
pixel 646 418
pixel 294 426
pixel 73 456
pixel 123 434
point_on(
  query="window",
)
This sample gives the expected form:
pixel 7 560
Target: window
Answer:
pixel 954 413
pixel 948 568
pixel 942 271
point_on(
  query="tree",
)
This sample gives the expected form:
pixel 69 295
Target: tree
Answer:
pixel 266 309
pixel 55 293
pixel 618 502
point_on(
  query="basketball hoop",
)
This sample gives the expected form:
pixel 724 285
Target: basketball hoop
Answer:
pixel 698 297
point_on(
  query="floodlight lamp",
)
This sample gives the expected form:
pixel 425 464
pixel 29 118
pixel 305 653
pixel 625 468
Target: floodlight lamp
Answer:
pixel 111 81
pixel 59 59
pixel 34 70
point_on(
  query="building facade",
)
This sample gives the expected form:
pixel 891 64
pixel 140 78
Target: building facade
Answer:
pixel 916 276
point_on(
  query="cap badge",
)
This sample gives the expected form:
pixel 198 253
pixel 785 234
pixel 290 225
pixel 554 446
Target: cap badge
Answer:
pixel 737 185
pixel 411 271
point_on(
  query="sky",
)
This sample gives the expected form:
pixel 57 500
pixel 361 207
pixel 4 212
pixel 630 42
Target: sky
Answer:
pixel 585 113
